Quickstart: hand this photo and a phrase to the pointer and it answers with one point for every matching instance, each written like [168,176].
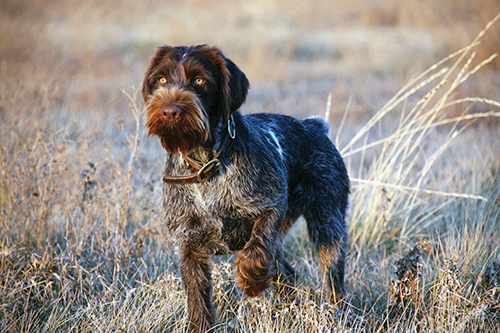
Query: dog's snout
[171,113]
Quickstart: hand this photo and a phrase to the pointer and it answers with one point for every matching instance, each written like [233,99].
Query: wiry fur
[194,126]
[276,169]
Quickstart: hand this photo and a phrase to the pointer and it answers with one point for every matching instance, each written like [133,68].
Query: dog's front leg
[196,277]
[254,263]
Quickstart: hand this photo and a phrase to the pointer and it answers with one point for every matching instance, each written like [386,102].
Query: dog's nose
[171,113]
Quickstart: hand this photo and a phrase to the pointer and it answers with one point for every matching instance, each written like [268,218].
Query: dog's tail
[317,123]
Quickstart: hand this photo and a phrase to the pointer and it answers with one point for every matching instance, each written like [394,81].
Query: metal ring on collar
[202,176]
[231,128]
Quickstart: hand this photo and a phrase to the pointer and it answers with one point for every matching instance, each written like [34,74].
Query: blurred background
[81,54]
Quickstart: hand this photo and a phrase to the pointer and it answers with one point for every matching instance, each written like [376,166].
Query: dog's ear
[234,83]
[161,53]
[238,87]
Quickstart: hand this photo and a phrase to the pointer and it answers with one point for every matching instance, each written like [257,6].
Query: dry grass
[82,247]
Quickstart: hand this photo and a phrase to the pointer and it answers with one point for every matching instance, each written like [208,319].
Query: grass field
[412,93]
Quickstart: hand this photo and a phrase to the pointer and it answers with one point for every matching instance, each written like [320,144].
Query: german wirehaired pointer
[237,183]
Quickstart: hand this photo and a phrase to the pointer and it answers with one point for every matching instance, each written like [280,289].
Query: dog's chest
[226,205]
[231,195]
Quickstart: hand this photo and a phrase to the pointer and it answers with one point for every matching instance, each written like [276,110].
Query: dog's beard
[183,135]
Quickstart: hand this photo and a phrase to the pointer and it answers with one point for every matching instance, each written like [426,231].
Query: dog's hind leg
[328,232]
[324,196]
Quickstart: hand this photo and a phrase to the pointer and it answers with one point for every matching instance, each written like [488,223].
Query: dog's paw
[253,269]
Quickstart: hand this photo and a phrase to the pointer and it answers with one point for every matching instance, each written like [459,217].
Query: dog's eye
[199,81]
[162,80]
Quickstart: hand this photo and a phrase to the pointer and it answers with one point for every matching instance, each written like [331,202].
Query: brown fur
[327,257]
[193,129]
[253,262]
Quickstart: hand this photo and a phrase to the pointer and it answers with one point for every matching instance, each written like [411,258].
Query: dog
[236,183]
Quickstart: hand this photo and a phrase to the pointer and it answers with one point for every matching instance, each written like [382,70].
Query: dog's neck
[220,139]
[207,153]
[201,154]
[204,162]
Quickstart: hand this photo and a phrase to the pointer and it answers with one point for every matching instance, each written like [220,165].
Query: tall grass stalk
[391,193]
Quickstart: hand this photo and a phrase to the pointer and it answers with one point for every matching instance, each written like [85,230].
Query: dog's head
[188,90]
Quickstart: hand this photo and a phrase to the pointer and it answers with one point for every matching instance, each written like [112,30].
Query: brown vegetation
[82,247]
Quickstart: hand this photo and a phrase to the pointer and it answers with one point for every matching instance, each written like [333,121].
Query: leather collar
[204,172]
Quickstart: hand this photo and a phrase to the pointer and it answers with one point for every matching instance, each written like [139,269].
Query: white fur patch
[280,150]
